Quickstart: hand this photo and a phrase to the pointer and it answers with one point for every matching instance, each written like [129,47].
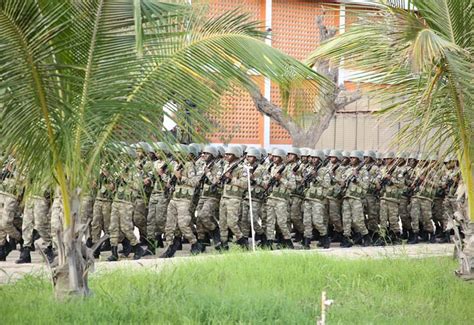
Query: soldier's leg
[373,207]
[404,214]
[97,223]
[296,213]
[171,222]
[10,206]
[393,219]
[28,223]
[234,208]
[244,222]
[139,217]
[256,212]
[151,224]
[126,221]
[161,214]
[271,219]
[358,220]
[426,216]
[56,220]
[282,218]
[114,227]
[346,217]
[335,215]
[318,211]
[42,220]
[223,220]
[307,219]
[208,212]
[383,217]
[415,211]
[184,220]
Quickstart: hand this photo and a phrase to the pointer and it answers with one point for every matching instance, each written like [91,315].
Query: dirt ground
[9,271]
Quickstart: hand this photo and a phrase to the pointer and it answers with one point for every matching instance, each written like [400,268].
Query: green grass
[263,288]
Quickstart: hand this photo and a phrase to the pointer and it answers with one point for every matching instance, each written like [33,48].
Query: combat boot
[196,248]
[203,246]
[425,236]
[366,240]
[298,237]
[49,254]
[222,246]
[432,238]
[25,256]
[105,247]
[216,236]
[346,242]
[114,257]
[357,238]
[413,238]
[446,238]
[2,254]
[159,241]
[89,242]
[269,244]
[405,234]
[138,252]
[126,247]
[171,249]
[326,242]
[307,243]
[263,241]
[179,243]
[395,238]
[287,243]
[150,248]
[243,242]
[96,253]
[380,241]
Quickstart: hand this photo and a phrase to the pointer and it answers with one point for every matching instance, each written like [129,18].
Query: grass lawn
[262,288]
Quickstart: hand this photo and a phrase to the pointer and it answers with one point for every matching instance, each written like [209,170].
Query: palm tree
[420,60]
[77,76]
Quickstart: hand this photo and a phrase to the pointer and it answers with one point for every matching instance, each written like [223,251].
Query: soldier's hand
[228,175]
[161,172]
[277,177]
[147,181]
[178,174]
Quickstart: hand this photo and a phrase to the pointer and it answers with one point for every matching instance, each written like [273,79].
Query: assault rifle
[172,183]
[351,179]
[273,181]
[386,180]
[223,179]
[203,180]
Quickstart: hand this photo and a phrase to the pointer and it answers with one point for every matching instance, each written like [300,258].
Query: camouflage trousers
[277,215]
[421,212]
[451,205]
[229,213]
[121,221]
[296,213]
[179,218]
[335,214]
[57,217]
[87,212]
[315,215]
[8,210]
[36,216]
[438,212]
[207,210]
[389,216]
[101,218]
[245,225]
[156,218]
[140,213]
[372,205]
[353,216]
[404,213]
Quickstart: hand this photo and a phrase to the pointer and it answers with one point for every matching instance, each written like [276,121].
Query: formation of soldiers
[200,195]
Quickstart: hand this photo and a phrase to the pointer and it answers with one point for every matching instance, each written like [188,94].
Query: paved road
[9,271]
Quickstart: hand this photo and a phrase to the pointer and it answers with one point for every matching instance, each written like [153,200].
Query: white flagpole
[247,167]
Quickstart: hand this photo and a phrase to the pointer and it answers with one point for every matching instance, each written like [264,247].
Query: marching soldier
[297,195]
[335,172]
[372,201]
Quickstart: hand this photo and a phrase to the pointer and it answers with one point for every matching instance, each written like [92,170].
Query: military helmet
[279,153]
[402,155]
[160,146]
[357,154]
[433,157]
[326,151]
[211,150]
[335,153]
[389,155]
[346,154]
[318,153]
[146,147]
[378,155]
[195,148]
[422,156]
[221,150]
[305,152]
[294,151]
[234,150]
[263,152]
[244,148]
[413,155]
[369,153]
[254,152]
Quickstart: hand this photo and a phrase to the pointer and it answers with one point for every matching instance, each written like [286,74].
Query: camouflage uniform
[87,211]
[277,203]
[352,208]
[422,200]
[257,200]
[230,206]
[296,199]
[143,170]
[36,216]
[179,208]
[389,201]
[334,191]
[372,202]
[450,179]
[102,208]
[9,192]
[316,203]
[404,199]
[57,215]
[156,219]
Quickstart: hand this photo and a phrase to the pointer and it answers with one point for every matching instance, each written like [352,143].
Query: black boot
[288,244]
[381,240]
[25,256]
[446,238]
[150,248]
[263,241]
[96,253]
[216,236]
[114,257]
[2,254]
[298,237]
[404,235]
[49,254]
[138,252]
[337,237]
[159,241]
[326,242]
[307,243]
[196,248]
[243,242]
[357,238]
[126,247]
[222,246]
[346,242]
[432,238]
[9,246]
[180,243]
[413,238]
[171,250]
[395,238]
[106,246]
[89,242]
[203,246]
[366,240]
[269,244]
[425,236]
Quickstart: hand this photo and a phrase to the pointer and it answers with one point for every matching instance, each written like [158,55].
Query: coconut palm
[420,61]
[79,76]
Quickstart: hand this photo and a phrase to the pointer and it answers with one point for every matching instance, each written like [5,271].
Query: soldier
[57,216]
[356,182]
[372,202]
[406,167]
[335,171]
[316,182]
[121,219]
[235,184]
[297,195]
[158,205]
[280,183]
[102,209]
[185,180]
[423,192]
[390,185]
[87,213]
[10,191]
[257,174]
[36,216]
[450,183]
[208,204]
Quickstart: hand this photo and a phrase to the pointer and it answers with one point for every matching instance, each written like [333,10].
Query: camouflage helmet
[279,153]
[413,155]
[369,153]
[422,156]
[244,148]
[433,157]
[160,146]
[318,153]
[254,152]
[378,155]
[346,154]
[211,150]
[335,153]
[357,154]
[402,155]
[263,152]
[221,150]
[295,151]
[389,155]
[305,152]
[234,150]
[195,148]
[326,151]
